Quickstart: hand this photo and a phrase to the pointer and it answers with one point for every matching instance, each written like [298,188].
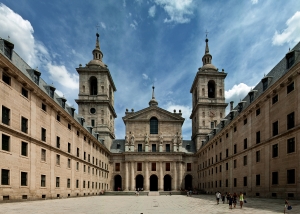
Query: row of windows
[290,179]
[139,166]
[5,180]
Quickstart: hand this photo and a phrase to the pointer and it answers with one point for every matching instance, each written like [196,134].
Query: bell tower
[96,96]
[208,98]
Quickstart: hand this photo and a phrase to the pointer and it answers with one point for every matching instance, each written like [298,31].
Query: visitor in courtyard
[286,205]
[241,199]
[218,196]
[234,199]
[230,200]
[227,197]
[223,197]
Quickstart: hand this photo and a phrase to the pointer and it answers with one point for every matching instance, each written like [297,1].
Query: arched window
[93,86]
[153,125]
[211,89]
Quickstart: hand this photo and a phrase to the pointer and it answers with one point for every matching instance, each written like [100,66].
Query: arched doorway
[139,182]
[188,182]
[118,182]
[211,89]
[153,183]
[167,183]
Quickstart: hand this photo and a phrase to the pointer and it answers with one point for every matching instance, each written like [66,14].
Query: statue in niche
[126,139]
[174,140]
[161,138]
[179,139]
[132,139]
[146,139]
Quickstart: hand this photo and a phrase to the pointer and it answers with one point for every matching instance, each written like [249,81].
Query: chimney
[231,105]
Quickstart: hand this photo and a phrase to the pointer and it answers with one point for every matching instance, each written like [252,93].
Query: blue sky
[146,41]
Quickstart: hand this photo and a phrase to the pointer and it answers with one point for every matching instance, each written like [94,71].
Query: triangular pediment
[153,111]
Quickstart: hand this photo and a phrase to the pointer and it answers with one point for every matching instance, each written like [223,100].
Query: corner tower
[96,96]
[208,97]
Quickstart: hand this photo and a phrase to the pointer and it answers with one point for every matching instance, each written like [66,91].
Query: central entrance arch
[188,182]
[118,182]
[153,183]
[167,183]
[139,182]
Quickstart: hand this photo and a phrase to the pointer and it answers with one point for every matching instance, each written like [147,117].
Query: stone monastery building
[49,151]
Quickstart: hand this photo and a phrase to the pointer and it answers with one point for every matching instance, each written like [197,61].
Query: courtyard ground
[146,205]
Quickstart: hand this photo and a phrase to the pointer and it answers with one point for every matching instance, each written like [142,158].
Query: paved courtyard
[145,204]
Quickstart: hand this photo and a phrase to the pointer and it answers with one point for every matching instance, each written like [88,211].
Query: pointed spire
[97,54]
[97,41]
[153,101]
[206,47]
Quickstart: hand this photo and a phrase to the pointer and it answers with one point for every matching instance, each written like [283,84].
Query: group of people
[231,199]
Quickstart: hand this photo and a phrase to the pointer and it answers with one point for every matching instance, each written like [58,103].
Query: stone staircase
[153,193]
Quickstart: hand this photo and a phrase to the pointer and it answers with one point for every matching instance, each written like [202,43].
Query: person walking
[241,199]
[286,204]
[223,198]
[230,200]
[218,196]
[234,199]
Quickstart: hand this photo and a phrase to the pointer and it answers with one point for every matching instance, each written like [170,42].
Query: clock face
[93,110]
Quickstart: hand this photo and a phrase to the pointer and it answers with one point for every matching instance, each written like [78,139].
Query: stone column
[126,176]
[161,177]
[174,180]
[180,179]
[146,179]
[132,176]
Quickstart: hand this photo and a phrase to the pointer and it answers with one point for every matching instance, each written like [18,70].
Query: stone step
[153,193]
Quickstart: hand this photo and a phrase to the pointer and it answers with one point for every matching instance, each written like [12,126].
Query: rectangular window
[153,166]
[245,181]
[24,148]
[24,92]
[257,156]
[57,159]
[24,124]
[258,137]
[153,147]
[274,178]
[44,107]
[89,158]
[5,142]
[68,183]
[234,149]
[275,128]
[226,166]
[139,167]
[220,168]
[117,167]
[291,120]
[58,117]
[69,126]
[23,178]
[291,176]
[168,148]
[245,143]
[43,180]
[290,87]
[83,184]
[43,155]
[245,121]
[140,147]
[275,150]
[189,167]
[257,111]
[291,145]
[234,182]
[226,182]
[4,177]
[83,168]
[77,166]
[84,155]
[275,99]
[77,183]
[57,181]
[168,166]
[257,180]
[43,134]
[6,79]
[5,115]
[69,163]
[227,153]
[220,156]
[69,147]
[234,163]
[245,160]
[57,142]
[77,152]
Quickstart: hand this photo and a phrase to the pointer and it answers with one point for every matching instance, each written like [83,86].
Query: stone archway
[188,180]
[118,182]
[167,183]
[139,182]
[153,183]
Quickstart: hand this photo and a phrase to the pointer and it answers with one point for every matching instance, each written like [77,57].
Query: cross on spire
[97,26]
[206,32]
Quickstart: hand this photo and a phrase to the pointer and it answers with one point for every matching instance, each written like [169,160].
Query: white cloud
[103,25]
[133,26]
[152,11]
[178,10]
[145,76]
[59,93]
[20,32]
[291,33]
[60,74]
[254,1]
[124,3]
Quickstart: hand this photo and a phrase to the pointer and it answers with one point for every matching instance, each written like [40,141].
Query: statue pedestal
[174,148]
[132,148]
[126,148]
[146,148]
[160,148]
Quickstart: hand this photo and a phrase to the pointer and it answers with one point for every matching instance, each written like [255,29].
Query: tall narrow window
[258,180]
[153,147]
[265,83]
[153,125]
[69,147]
[153,166]
[43,134]
[168,166]
[43,154]
[6,79]
[23,178]
[274,178]
[117,166]
[57,142]
[211,89]
[5,115]
[24,92]
[291,120]
[245,181]
[57,181]
[257,156]
[290,87]
[258,137]
[291,176]
[245,143]
[24,124]
[43,180]
[189,167]
[275,151]
[168,149]
[5,177]
[5,142]
[93,86]
[275,128]
[291,145]
[139,167]
[140,147]
[24,148]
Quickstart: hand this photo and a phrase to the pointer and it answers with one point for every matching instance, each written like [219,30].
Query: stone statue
[174,139]
[146,139]
[180,139]
[161,138]
[126,139]
[132,139]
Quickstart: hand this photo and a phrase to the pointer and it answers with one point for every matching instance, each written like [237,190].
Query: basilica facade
[50,151]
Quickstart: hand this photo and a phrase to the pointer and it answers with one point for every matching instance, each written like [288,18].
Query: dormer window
[63,102]
[251,96]
[8,49]
[240,107]
[51,92]
[290,59]
[265,83]
[36,77]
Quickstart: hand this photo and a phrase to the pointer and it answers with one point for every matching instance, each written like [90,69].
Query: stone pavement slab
[174,204]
